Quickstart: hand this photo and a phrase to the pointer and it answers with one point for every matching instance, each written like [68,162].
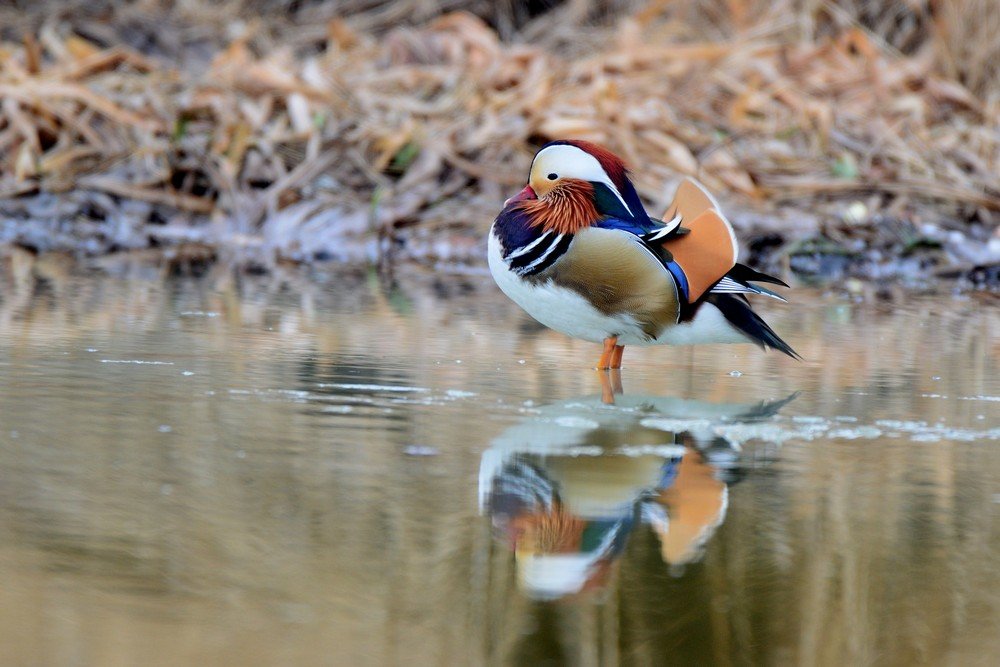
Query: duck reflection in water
[565,487]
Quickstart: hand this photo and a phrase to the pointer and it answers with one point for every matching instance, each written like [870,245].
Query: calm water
[323,469]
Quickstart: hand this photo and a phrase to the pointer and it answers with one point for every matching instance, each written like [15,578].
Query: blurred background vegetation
[844,136]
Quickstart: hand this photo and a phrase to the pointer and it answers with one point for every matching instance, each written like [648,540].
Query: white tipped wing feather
[729,286]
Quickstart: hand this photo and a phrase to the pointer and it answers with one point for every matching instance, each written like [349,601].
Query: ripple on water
[137,362]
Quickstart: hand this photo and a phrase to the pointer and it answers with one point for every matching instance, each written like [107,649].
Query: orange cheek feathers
[566,209]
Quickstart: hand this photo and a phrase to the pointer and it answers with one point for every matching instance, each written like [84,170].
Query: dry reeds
[294,135]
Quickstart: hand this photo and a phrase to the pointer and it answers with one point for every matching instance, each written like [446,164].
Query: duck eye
[553,177]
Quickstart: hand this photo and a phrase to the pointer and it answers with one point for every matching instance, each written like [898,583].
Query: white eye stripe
[572,162]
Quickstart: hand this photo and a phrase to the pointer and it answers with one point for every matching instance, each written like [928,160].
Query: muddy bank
[934,260]
[801,246]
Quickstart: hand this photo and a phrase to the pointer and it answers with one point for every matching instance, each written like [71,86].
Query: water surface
[327,468]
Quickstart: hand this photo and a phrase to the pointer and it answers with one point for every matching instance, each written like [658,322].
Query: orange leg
[611,384]
[616,356]
[616,381]
[607,391]
[609,349]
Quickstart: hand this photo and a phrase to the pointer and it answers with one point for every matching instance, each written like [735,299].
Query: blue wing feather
[682,282]
[630,225]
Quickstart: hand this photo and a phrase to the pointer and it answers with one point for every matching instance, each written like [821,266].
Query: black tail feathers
[736,309]
[745,274]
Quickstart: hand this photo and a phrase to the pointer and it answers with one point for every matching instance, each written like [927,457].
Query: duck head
[573,184]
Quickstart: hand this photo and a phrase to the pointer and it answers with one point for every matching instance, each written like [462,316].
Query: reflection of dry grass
[299,135]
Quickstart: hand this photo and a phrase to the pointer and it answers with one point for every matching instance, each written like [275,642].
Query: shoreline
[890,252]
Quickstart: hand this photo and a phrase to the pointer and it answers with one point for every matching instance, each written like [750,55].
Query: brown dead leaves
[437,124]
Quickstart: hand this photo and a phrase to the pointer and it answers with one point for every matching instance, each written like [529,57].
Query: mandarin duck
[577,251]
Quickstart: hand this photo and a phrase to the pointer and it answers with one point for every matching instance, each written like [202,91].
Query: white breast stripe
[526,249]
[541,260]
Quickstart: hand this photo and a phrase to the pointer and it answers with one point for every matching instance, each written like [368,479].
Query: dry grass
[292,128]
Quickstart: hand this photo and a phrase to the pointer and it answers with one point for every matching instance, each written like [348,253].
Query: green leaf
[845,167]
[404,157]
[179,129]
